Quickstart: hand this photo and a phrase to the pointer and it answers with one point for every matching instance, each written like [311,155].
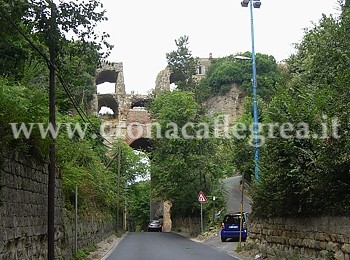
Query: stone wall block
[322,236]
[310,243]
[333,237]
[341,238]
[309,234]
[334,247]
[346,248]
[265,231]
[339,255]
[10,233]
[6,164]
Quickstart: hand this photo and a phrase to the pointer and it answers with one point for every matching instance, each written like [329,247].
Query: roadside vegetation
[307,176]
[86,163]
[299,176]
[310,176]
[182,166]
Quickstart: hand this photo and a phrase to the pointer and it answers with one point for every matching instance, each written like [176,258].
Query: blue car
[230,227]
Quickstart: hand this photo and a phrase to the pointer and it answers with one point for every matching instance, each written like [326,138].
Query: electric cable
[60,78]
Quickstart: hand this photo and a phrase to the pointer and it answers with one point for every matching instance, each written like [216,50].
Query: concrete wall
[309,238]
[23,213]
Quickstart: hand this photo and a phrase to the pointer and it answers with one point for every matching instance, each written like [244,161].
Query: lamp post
[255,4]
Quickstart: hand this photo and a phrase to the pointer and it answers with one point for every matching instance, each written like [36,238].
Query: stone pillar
[119,85]
[167,224]
[163,80]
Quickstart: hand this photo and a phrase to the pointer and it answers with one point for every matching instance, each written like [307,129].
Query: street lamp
[255,4]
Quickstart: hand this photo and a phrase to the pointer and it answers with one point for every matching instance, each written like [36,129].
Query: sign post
[202,199]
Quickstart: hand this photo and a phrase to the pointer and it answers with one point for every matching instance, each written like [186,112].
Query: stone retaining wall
[23,213]
[305,238]
[91,230]
[190,226]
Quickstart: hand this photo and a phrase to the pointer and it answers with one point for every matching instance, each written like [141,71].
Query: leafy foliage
[78,72]
[128,167]
[24,93]
[310,175]
[182,64]
[76,59]
[139,200]
[242,143]
[19,105]
[183,165]
[81,166]
[225,71]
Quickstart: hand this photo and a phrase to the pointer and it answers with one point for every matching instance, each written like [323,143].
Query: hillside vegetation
[303,123]
[83,161]
[303,115]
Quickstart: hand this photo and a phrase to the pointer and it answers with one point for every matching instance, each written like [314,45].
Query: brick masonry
[23,213]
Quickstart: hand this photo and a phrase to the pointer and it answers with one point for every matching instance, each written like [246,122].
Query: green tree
[29,34]
[128,167]
[138,202]
[76,58]
[226,71]
[310,173]
[185,159]
[183,65]
[19,105]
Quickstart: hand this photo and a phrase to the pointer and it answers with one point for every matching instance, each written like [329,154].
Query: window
[200,70]
[233,219]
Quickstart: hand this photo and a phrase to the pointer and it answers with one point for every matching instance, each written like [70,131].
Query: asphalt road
[234,195]
[154,245]
[169,246]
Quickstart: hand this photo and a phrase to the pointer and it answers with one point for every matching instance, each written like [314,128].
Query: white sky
[144,31]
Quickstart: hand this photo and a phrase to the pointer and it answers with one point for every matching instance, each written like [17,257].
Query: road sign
[201,197]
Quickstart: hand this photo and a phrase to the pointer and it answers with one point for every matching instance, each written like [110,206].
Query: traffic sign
[201,197]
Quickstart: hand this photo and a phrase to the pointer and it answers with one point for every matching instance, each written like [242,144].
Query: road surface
[160,246]
[154,245]
[234,195]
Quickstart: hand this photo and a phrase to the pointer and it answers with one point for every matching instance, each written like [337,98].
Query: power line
[60,78]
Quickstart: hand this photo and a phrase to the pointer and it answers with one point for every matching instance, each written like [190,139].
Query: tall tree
[182,64]
[186,159]
[308,171]
[51,22]
[77,57]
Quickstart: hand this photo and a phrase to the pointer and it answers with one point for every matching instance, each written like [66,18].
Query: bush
[19,104]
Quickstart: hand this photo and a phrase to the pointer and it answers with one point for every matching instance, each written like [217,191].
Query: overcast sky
[144,31]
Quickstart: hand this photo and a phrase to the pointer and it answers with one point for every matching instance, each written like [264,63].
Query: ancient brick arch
[137,126]
[142,143]
[111,72]
[109,75]
[108,100]
[131,119]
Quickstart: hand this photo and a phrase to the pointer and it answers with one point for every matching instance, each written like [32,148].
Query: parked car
[230,226]
[155,225]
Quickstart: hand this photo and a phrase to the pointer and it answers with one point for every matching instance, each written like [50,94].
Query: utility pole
[125,210]
[118,186]
[52,148]
[76,221]
[241,211]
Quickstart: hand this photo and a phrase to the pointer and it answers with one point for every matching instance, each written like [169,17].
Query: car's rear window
[232,219]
